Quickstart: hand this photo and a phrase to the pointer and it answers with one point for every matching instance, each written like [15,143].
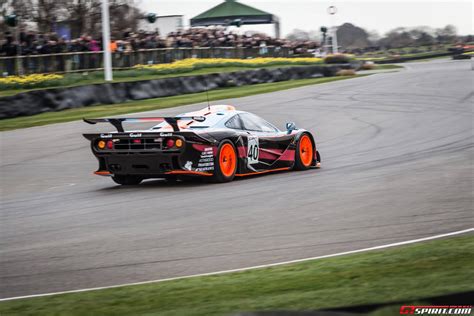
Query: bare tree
[4,5]
[302,35]
[446,34]
[43,12]
[83,16]
[422,35]
[373,36]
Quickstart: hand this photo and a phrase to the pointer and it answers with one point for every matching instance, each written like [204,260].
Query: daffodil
[198,63]
[28,80]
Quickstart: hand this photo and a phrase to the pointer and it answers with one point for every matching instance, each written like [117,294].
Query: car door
[266,145]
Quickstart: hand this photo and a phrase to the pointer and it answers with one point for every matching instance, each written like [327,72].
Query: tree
[397,38]
[4,4]
[301,35]
[422,35]
[424,39]
[83,16]
[350,36]
[374,37]
[446,34]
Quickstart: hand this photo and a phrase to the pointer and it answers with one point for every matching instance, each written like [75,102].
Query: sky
[381,15]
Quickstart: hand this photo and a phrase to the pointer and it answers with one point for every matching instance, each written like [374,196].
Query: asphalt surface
[397,153]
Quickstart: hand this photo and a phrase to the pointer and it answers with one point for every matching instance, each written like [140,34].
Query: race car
[217,142]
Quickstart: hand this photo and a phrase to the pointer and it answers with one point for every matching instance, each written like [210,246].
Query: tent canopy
[231,10]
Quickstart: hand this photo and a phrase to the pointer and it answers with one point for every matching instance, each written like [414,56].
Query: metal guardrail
[88,61]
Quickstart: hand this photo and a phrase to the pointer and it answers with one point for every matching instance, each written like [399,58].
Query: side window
[252,122]
[234,122]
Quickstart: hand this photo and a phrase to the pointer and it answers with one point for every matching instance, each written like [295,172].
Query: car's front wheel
[225,162]
[304,154]
[127,180]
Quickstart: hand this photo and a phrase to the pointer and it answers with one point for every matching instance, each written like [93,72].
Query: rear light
[170,143]
[179,143]
[137,141]
[110,144]
[101,144]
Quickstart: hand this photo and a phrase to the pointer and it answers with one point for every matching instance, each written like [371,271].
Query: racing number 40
[252,151]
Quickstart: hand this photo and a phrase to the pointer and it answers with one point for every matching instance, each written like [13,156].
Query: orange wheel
[226,162]
[304,153]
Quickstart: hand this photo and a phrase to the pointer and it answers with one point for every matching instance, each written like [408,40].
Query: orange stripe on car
[102,173]
[260,172]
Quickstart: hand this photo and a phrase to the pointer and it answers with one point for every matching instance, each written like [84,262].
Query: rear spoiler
[117,122]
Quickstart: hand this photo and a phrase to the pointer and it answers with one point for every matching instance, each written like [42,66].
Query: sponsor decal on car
[188,165]
[106,136]
[436,310]
[166,134]
[206,161]
[135,134]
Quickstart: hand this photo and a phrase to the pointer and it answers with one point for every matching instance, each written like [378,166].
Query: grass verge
[397,274]
[387,66]
[158,103]
[429,59]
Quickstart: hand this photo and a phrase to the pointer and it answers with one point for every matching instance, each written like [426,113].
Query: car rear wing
[172,121]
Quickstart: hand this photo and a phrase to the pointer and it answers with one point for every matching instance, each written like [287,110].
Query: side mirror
[290,126]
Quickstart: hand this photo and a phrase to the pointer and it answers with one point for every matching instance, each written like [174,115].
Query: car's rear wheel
[304,154]
[225,162]
[127,180]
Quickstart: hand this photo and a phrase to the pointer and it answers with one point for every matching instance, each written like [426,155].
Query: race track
[397,153]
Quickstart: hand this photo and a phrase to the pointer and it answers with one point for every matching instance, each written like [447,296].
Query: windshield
[210,121]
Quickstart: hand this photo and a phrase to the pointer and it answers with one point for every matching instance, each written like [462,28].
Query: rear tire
[304,154]
[127,180]
[225,162]
[318,160]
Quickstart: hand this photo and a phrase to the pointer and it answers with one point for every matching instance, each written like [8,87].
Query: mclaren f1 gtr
[217,142]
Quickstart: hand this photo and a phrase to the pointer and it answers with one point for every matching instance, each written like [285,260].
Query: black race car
[217,142]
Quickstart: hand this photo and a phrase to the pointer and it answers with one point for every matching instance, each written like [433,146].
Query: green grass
[383,67]
[424,56]
[153,104]
[96,77]
[387,66]
[407,51]
[428,59]
[407,273]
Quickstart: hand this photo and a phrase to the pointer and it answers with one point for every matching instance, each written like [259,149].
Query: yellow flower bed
[29,80]
[198,63]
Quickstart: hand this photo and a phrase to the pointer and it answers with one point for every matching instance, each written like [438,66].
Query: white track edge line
[401,243]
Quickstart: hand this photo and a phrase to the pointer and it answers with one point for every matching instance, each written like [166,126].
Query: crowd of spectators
[51,48]
[32,43]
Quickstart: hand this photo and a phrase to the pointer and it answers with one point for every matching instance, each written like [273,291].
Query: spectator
[9,48]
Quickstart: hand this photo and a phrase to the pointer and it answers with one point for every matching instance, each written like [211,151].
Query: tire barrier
[57,99]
